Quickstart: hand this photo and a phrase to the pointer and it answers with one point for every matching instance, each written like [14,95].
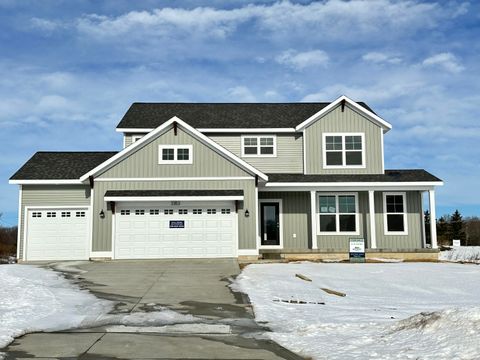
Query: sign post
[357,250]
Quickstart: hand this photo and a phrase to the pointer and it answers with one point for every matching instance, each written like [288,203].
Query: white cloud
[446,60]
[241,94]
[45,25]
[378,58]
[301,60]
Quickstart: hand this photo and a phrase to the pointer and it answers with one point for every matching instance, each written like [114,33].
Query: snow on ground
[35,299]
[391,311]
[468,254]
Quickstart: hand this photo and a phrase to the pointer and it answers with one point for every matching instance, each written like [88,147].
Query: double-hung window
[338,214]
[259,146]
[343,150]
[175,154]
[395,213]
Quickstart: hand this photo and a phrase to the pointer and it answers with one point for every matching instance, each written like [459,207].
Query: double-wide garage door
[175,230]
[57,234]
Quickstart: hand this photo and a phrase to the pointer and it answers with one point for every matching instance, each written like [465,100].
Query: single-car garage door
[174,230]
[57,234]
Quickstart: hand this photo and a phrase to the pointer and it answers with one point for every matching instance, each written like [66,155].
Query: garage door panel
[57,237]
[202,234]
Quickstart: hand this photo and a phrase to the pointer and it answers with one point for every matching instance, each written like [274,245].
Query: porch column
[373,230]
[433,218]
[313,213]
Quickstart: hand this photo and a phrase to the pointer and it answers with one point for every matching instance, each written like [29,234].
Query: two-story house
[198,180]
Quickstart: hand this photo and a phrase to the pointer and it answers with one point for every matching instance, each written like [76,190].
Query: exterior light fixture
[247,213]
[102,214]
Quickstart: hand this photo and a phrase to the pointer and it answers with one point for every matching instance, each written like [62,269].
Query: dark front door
[270,216]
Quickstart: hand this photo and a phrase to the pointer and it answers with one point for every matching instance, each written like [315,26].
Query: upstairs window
[259,146]
[344,150]
[395,214]
[175,154]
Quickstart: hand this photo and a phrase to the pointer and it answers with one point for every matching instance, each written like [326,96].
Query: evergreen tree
[442,230]
[457,227]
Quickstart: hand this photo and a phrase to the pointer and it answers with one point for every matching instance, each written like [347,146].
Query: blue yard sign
[357,250]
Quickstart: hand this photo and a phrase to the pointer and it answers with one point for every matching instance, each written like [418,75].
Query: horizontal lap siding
[289,157]
[295,217]
[347,121]
[414,218]
[51,195]
[144,161]
[341,242]
[102,235]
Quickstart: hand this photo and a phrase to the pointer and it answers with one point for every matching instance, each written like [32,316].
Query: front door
[270,219]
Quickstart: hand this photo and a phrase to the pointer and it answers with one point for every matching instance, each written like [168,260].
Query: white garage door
[163,230]
[57,234]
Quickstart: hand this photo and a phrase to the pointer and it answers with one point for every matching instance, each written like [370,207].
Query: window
[197,211]
[259,146]
[395,214]
[140,212]
[175,154]
[65,213]
[338,214]
[154,212]
[225,211]
[343,150]
[51,214]
[80,214]
[168,212]
[36,214]
[211,211]
[183,211]
[124,212]
[136,138]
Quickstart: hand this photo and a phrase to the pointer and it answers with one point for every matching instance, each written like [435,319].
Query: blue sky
[70,69]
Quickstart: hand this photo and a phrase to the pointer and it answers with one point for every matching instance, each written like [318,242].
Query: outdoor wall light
[102,214]
[247,213]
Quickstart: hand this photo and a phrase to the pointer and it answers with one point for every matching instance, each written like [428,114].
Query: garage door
[163,230]
[57,234]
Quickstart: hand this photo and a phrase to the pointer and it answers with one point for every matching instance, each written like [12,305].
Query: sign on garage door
[185,230]
[57,234]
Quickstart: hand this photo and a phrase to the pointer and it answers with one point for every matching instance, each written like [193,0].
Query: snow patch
[467,254]
[391,311]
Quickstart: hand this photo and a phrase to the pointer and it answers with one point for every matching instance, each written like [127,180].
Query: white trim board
[356,184]
[384,124]
[171,198]
[337,214]
[404,213]
[19,229]
[213,178]
[343,151]
[258,146]
[165,127]
[218,130]
[47,182]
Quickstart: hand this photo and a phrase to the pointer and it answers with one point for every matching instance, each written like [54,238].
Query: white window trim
[274,137]
[175,154]
[135,138]
[344,166]
[337,214]
[405,213]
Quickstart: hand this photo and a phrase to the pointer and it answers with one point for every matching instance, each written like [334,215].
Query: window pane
[328,223]
[327,204]
[333,142]
[266,150]
[250,141]
[395,223]
[266,141]
[250,150]
[347,223]
[167,154]
[183,154]
[346,204]
[394,203]
[353,157]
[353,142]
[334,158]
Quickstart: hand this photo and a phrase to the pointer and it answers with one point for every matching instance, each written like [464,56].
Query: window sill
[396,233]
[259,156]
[326,167]
[338,233]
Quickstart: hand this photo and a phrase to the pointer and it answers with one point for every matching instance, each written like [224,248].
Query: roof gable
[163,129]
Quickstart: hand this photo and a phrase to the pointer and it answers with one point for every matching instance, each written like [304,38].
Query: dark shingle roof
[222,115]
[389,176]
[128,193]
[60,165]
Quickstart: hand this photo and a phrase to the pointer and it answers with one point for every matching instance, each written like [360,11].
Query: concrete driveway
[224,327]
